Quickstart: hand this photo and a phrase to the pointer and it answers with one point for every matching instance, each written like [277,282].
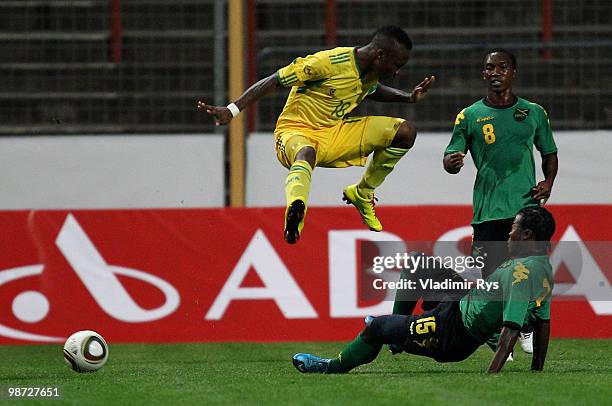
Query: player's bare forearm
[543,189]
[223,115]
[507,339]
[541,336]
[257,91]
[550,166]
[389,95]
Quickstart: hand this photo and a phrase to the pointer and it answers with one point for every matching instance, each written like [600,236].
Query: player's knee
[373,333]
[405,136]
[307,154]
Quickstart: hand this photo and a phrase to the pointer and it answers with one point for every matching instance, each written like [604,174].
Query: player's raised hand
[420,91]
[222,115]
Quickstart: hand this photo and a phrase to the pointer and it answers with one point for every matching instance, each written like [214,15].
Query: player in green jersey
[520,294]
[500,132]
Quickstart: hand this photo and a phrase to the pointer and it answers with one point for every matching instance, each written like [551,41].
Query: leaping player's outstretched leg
[297,189]
[361,195]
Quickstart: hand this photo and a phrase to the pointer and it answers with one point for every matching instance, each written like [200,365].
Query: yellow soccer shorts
[348,143]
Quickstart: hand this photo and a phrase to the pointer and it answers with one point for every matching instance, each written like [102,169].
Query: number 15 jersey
[325,87]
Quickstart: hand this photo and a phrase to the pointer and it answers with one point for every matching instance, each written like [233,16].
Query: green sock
[380,166]
[402,303]
[356,353]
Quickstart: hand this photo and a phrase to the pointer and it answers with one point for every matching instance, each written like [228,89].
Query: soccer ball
[85,351]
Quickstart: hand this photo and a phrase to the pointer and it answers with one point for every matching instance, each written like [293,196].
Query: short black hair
[503,51]
[539,220]
[392,32]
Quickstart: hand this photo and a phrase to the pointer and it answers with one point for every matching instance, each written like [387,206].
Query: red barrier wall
[221,274]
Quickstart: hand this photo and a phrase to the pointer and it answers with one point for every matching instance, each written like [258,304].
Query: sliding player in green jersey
[315,130]
[454,330]
[500,132]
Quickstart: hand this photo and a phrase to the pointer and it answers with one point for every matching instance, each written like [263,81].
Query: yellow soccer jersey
[324,88]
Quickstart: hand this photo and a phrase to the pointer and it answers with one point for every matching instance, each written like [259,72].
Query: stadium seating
[59,77]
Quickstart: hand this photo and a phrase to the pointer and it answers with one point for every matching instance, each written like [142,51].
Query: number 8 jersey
[501,142]
[325,87]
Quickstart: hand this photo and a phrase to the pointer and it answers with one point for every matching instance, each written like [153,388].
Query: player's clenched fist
[222,115]
[453,162]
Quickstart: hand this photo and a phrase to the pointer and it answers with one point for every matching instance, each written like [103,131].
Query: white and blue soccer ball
[85,351]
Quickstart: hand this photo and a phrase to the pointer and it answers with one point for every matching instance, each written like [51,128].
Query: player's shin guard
[297,183]
[356,353]
[382,164]
[297,187]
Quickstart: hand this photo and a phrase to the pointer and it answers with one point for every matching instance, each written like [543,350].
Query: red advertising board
[226,274]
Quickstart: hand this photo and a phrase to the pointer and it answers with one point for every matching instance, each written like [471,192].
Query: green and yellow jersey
[501,142]
[325,87]
[523,296]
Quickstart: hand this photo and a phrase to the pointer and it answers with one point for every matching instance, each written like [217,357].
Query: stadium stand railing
[59,77]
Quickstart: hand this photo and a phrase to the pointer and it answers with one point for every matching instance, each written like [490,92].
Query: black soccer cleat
[293,217]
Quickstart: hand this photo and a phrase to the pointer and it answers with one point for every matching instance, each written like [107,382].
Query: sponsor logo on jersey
[480,120]
[521,273]
[521,114]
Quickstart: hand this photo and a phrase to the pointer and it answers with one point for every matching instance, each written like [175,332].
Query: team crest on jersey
[521,114]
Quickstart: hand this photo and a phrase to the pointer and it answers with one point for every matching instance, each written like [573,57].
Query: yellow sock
[297,184]
[382,164]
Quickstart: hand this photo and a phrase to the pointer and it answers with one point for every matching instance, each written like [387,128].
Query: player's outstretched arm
[507,339]
[541,335]
[389,94]
[223,115]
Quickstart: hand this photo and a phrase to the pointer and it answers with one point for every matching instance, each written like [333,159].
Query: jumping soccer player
[454,330]
[500,131]
[314,128]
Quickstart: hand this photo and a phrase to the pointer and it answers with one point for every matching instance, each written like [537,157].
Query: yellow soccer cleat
[365,206]
[294,221]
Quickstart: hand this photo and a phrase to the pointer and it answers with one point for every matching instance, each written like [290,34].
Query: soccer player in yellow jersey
[314,128]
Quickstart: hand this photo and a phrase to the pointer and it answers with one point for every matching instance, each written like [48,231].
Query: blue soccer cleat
[308,363]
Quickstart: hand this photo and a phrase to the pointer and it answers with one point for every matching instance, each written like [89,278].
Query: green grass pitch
[577,372]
